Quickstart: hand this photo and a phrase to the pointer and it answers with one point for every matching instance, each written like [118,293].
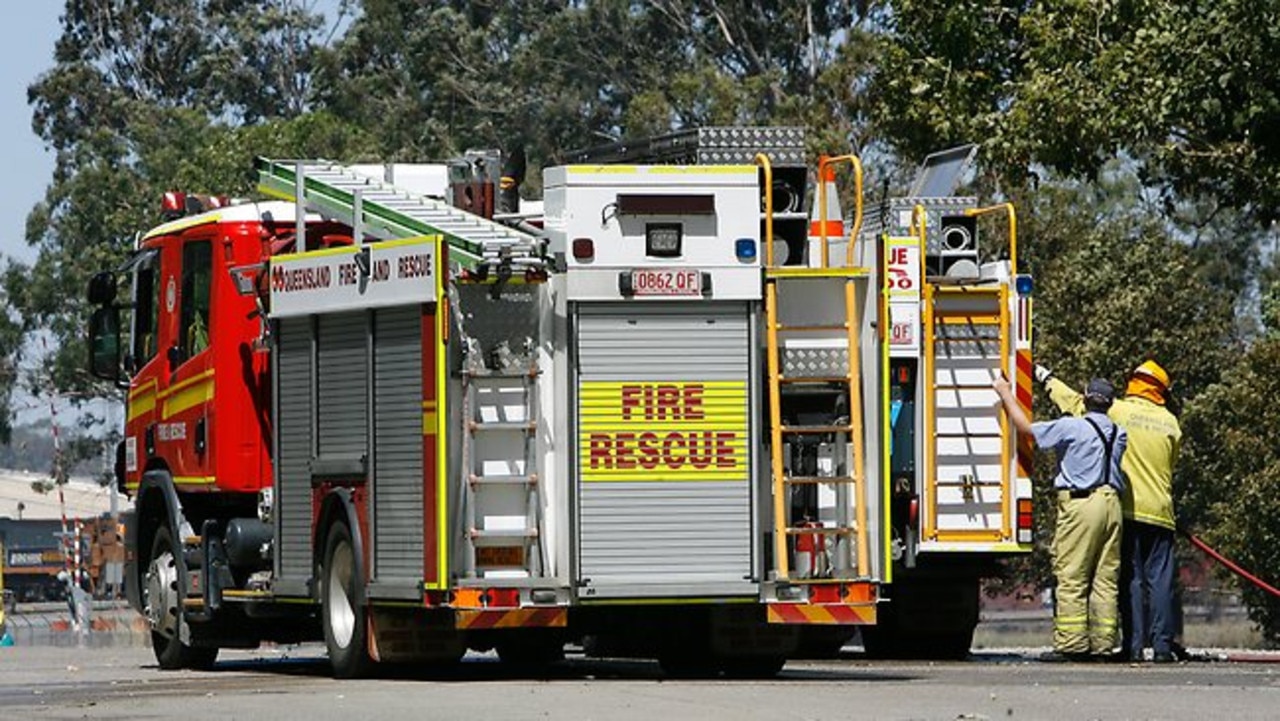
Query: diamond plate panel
[810,362]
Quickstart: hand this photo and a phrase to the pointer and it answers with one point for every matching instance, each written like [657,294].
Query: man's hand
[1001,384]
[1042,374]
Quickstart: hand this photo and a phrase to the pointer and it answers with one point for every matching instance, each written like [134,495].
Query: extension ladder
[386,211]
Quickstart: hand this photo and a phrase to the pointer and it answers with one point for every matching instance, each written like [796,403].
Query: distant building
[84,498]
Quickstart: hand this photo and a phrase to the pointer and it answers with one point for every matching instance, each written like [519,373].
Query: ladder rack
[387,211]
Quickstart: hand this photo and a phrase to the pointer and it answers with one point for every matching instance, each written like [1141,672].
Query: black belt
[1081,492]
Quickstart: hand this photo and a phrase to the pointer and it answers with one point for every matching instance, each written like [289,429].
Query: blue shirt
[1080,451]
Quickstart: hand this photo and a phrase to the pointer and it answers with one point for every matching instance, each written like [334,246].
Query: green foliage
[147,97]
[1230,474]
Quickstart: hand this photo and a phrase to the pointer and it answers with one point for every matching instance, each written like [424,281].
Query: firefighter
[1086,542]
[1148,610]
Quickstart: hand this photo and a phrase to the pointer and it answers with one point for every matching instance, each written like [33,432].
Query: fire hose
[1231,565]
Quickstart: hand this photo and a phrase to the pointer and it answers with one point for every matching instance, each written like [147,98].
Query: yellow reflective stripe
[142,403]
[142,399]
[428,418]
[188,394]
[195,480]
[659,169]
[183,224]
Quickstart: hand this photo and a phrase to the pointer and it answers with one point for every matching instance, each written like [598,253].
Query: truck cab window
[193,334]
[146,314]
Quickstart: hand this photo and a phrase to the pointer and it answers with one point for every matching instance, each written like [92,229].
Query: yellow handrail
[823,163]
[1013,229]
[854,346]
[763,161]
[780,558]
[919,220]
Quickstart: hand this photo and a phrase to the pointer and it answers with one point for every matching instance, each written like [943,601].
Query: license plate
[666,281]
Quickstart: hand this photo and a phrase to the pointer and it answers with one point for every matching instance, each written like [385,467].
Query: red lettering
[724,451]
[668,455]
[700,458]
[693,403]
[648,450]
[623,450]
[629,400]
[897,256]
[599,453]
[668,406]
[648,402]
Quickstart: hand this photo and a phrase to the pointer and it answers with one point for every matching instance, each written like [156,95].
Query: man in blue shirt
[1086,542]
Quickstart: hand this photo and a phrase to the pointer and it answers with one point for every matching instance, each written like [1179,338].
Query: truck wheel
[346,629]
[162,602]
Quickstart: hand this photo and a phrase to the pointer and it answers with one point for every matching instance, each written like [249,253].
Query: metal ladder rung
[504,480]
[529,426]
[814,379]
[530,374]
[821,531]
[974,484]
[515,534]
[810,328]
[804,480]
[817,429]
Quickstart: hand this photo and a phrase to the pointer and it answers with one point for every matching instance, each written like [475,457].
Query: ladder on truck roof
[387,211]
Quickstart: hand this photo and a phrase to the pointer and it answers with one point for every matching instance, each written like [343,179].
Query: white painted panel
[975,398]
[969,423]
[982,473]
[987,446]
[961,376]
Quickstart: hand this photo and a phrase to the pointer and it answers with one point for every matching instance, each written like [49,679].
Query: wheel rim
[341,611]
[161,603]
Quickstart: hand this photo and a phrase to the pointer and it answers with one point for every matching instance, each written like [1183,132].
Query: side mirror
[102,288]
[104,344]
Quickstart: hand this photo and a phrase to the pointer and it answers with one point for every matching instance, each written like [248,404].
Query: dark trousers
[1147,614]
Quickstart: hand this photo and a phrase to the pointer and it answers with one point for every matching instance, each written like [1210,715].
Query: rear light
[745,249]
[1024,520]
[584,249]
[502,597]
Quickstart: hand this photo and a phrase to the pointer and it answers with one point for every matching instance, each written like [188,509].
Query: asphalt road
[123,683]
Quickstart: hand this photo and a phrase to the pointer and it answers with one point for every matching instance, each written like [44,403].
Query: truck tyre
[162,604]
[346,628]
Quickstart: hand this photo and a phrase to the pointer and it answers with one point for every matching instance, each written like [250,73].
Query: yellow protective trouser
[1086,562]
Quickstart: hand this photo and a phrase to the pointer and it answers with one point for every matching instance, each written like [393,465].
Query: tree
[435,78]
[147,97]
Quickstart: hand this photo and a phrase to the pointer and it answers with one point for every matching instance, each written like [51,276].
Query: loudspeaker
[955,254]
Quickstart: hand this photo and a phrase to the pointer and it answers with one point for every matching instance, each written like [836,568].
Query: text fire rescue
[662,405]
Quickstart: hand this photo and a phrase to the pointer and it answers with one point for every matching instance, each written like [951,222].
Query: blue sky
[29,32]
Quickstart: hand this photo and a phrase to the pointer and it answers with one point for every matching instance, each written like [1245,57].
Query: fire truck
[368,413]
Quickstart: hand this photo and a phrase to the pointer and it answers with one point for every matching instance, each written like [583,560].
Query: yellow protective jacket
[1154,439]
